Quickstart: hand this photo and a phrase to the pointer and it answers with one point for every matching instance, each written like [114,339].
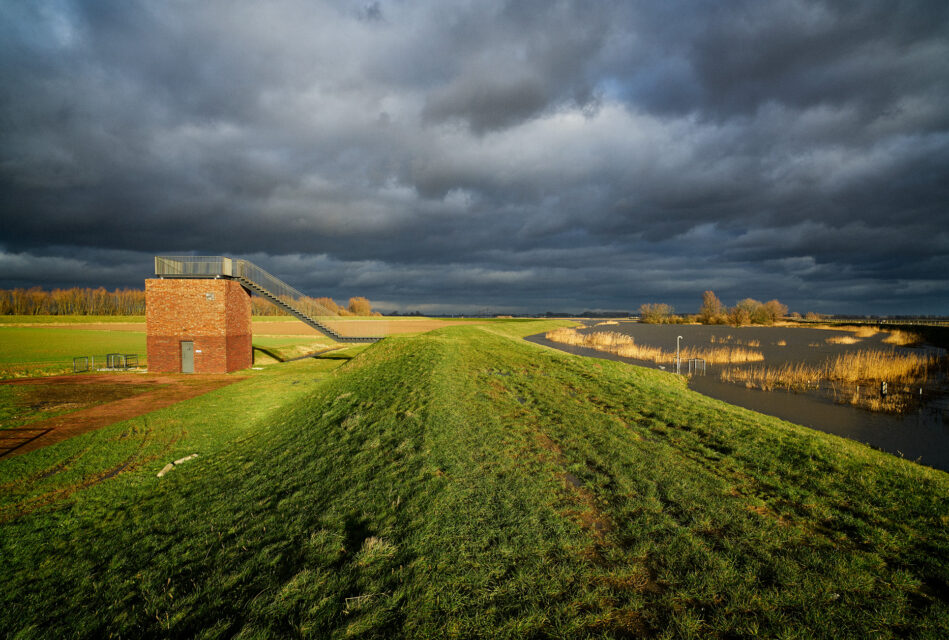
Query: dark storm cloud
[511,155]
[518,60]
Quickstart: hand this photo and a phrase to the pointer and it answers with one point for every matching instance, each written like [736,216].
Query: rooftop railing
[219,266]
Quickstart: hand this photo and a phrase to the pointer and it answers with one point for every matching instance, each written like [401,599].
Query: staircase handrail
[279,289]
[208,266]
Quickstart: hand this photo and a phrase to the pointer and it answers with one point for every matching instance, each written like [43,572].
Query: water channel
[921,435]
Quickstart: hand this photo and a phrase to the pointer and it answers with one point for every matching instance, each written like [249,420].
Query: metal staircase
[258,281]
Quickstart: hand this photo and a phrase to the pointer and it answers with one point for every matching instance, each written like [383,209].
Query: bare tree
[712,309]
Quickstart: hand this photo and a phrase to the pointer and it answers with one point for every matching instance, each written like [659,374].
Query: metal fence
[121,360]
[696,366]
[192,266]
[107,362]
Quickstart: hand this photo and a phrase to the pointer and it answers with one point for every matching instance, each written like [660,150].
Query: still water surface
[922,435]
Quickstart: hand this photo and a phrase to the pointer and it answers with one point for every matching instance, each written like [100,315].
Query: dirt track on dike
[168,389]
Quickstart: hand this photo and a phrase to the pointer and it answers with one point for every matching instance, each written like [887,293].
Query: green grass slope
[464,483]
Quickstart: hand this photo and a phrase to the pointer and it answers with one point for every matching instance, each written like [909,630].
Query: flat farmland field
[46,320]
[90,326]
[26,351]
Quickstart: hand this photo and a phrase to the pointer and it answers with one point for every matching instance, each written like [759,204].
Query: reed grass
[625,346]
[896,337]
[568,335]
[864,366]
[876,365]
[722,355]
[852,377]
[902,338]
[790,376]
[781,343]
[731,340]
[842,340]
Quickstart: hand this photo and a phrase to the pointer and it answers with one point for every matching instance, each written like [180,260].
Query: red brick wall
[240,352]
[214,314]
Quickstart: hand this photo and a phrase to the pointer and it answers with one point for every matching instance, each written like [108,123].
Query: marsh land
[831,377]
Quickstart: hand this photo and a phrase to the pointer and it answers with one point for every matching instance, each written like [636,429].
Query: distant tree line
[657,313]
[747,311]
[131,302]
[72,302]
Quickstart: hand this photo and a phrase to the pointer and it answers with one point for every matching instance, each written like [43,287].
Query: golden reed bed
[864,366]
[625,346]
[853,378]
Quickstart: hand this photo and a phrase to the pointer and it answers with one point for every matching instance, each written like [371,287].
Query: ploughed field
[465,483]
[871,385]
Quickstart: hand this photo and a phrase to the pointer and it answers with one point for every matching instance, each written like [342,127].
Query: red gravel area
[166,390]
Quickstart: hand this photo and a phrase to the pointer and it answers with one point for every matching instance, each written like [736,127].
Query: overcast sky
[467,155]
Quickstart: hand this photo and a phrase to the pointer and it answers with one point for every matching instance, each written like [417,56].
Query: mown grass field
[464,483]
[31,351]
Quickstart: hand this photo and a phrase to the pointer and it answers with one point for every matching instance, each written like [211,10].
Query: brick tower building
[197,325]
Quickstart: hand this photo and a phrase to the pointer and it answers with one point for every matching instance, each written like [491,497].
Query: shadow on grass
[326,354]
[269,353]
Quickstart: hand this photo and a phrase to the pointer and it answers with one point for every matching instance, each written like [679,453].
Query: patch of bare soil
[584,510]
[66,396]
[152,392]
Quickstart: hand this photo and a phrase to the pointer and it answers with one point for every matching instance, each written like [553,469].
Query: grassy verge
[464,484]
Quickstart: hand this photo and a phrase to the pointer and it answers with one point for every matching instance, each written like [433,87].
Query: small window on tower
[209,296]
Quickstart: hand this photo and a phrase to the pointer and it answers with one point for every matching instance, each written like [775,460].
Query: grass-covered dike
[464,483]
